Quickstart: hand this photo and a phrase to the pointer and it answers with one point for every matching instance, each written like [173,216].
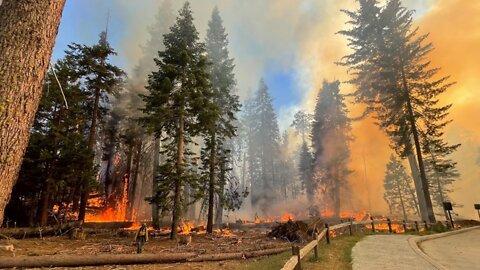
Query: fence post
[389,222]
[404,226]
[350,227]
[416,226]
[426,225]
[373,224]
[296,252]
[328,233]
[315,250]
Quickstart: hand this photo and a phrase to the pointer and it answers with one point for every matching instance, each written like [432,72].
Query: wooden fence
[295,262]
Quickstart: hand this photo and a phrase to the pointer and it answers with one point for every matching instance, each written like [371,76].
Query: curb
[415,242]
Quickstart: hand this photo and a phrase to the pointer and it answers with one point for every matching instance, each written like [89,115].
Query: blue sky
[82,24]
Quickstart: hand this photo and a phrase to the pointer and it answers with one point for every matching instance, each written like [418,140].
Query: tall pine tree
[219,117]
[394,79]
[100,78]
[178,93]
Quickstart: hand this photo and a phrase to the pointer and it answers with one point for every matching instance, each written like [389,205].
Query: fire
[186,227]
[287,217]
[355,216]
[327,213]
[257,220]
[109,214]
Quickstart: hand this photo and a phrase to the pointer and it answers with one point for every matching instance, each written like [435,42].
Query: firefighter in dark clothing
[141,237]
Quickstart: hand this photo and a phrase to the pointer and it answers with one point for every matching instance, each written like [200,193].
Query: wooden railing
[295,262]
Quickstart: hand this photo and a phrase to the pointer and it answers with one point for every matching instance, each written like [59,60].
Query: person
[141,237]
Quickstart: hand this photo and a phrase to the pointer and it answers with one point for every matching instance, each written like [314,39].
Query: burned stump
[293,231]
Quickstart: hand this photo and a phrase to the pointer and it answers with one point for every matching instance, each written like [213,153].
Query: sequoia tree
[28,30]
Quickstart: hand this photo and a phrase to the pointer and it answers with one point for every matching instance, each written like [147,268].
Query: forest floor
[112,243]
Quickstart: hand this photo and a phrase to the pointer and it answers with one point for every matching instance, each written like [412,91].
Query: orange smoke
[455,33]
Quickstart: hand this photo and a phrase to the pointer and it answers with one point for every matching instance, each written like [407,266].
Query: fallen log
[91,260]
[125,259]
[238,255]
[38,231]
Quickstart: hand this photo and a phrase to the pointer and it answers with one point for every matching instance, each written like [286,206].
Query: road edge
[415,242]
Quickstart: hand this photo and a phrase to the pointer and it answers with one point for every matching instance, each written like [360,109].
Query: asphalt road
[459,251]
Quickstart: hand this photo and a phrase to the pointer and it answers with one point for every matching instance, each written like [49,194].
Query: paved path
[459,251]
[387,252]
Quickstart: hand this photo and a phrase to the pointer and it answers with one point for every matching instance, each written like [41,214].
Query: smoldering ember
[223,134]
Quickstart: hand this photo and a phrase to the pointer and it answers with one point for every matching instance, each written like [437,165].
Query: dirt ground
[114,242]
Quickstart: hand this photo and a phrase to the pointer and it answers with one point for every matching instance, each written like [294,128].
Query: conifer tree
[394,79]
[398,190]
[263,148]
[56,151]
[178,92]
[330,140]
[219,117]
[302,123]
[305,171]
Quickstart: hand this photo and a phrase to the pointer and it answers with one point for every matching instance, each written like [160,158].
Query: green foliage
[178,102]
[57,148]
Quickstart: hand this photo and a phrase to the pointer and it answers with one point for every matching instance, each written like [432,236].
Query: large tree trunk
[211,185]
[429,215]
[177,202]
[91,146]
[134,181]
[402,204]
[220,206]
[412,161]
[28,29]
[156,159]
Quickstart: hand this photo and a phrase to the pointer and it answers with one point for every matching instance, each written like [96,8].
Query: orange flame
[110,214]
[186,227]
[286,217]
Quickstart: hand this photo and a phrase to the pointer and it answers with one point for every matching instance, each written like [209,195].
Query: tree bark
[28,29]
[220,206]
[211,184]
[134,181]
[156,159]
[430,215]
[91,145]
[401,199]
[422,209]
[177,202]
